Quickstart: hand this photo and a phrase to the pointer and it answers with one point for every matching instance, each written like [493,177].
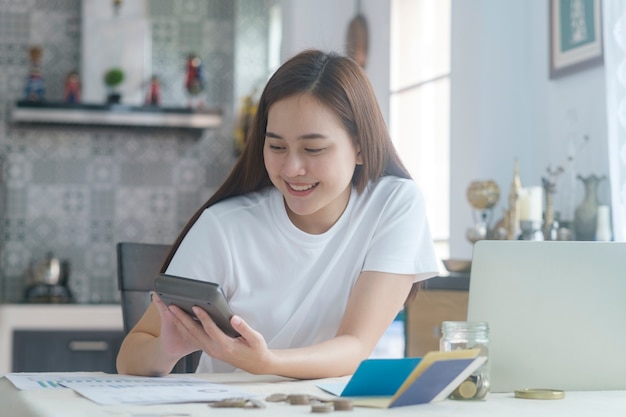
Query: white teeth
[301,187]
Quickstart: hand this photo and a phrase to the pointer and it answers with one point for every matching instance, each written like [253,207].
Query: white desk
[65,403]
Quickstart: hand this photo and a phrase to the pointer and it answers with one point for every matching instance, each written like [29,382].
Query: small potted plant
[113,78]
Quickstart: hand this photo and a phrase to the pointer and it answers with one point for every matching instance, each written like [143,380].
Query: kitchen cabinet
[72,331]
[65,350]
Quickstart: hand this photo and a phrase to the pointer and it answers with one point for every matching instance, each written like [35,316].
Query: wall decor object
[357,40]
[575,35]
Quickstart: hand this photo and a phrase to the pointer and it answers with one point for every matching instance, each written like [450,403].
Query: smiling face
[310,158]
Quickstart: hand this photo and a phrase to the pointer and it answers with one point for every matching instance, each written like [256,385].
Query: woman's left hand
[247,352]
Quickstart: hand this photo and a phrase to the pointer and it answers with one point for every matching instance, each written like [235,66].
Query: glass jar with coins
[468,335]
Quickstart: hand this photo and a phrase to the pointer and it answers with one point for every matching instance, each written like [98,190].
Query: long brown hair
[340,84]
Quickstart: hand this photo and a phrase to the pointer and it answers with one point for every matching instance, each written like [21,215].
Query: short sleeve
[204,252]
[402,242]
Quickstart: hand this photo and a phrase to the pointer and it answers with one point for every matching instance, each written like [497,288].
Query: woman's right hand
[174,343]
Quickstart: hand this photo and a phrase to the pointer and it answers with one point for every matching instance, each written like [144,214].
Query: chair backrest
[137,266]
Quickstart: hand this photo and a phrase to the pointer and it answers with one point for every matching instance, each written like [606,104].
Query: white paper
[108,389]
[335,388]
[46,380]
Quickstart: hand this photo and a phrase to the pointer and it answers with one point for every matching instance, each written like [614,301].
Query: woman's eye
[276,147]
[314,150]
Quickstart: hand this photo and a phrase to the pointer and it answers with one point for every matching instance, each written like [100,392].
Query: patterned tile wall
[77,191]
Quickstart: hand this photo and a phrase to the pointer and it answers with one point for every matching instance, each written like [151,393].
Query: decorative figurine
[72,88]
[153,97]
[194,82]
[482,196]
[357,40]
[512,225]
[586,214]
[34,90]
[113,77]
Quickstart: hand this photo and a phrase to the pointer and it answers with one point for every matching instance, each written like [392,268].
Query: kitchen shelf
[26,112]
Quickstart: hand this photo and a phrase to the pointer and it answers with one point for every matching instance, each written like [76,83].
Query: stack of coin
[342,405]
[298,399]
[321,408]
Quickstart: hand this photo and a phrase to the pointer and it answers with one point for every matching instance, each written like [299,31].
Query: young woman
[317,237]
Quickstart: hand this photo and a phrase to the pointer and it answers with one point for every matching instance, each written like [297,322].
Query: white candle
[603,226]
[531,204]
[536,203]
[523,204]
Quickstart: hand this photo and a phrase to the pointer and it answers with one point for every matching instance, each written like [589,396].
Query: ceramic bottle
[586,214]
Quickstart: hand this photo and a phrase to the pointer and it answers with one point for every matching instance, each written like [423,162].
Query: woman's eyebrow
[272,135]
[313,136]
[305,136]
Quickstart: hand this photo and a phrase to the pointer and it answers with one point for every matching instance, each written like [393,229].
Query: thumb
[241,326]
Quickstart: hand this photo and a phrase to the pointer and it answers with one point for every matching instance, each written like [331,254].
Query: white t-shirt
[292,286]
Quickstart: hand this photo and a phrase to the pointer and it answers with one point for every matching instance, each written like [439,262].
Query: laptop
[556,313]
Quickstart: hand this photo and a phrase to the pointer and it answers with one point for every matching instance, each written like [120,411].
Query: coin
[540,394]
[298,399]
[321,408]
[230,403]
[467,389]
[276,398]
[342,405]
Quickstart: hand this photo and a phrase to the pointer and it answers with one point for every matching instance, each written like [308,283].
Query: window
[420,103]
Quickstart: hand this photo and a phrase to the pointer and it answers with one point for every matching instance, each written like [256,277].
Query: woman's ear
[359,158]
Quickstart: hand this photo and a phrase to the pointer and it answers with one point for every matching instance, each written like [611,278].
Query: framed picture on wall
[575,35]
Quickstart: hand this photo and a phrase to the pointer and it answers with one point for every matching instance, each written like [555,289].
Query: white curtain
[614,32]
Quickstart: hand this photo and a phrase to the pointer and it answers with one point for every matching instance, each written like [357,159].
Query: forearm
[141,354]
[365,320]
[336,357]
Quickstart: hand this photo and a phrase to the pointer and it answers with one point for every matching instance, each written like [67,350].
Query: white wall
[323,24]
[504,106]
[115,40]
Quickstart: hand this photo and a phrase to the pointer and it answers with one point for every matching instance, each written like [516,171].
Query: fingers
[213,330]
[248,351]
[171,313]
[242,327]
[207,322]
[160,305]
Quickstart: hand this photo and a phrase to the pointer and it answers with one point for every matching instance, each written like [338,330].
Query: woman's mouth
[301,188]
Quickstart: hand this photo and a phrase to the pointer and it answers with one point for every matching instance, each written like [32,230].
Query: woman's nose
[293,165]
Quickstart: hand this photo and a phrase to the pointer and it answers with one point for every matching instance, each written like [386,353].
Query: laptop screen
[556,313]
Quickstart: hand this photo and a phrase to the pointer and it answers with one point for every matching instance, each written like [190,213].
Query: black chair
[137,266]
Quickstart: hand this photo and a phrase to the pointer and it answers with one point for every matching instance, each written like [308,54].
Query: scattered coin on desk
[298,399]
[238,403]
[321,408]
[318,405]
[343,405]
[540,394]
[276,398]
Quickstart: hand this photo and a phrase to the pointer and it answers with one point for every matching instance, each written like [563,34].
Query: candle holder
[531,230]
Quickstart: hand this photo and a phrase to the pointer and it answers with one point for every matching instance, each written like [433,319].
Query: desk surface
[66,403]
